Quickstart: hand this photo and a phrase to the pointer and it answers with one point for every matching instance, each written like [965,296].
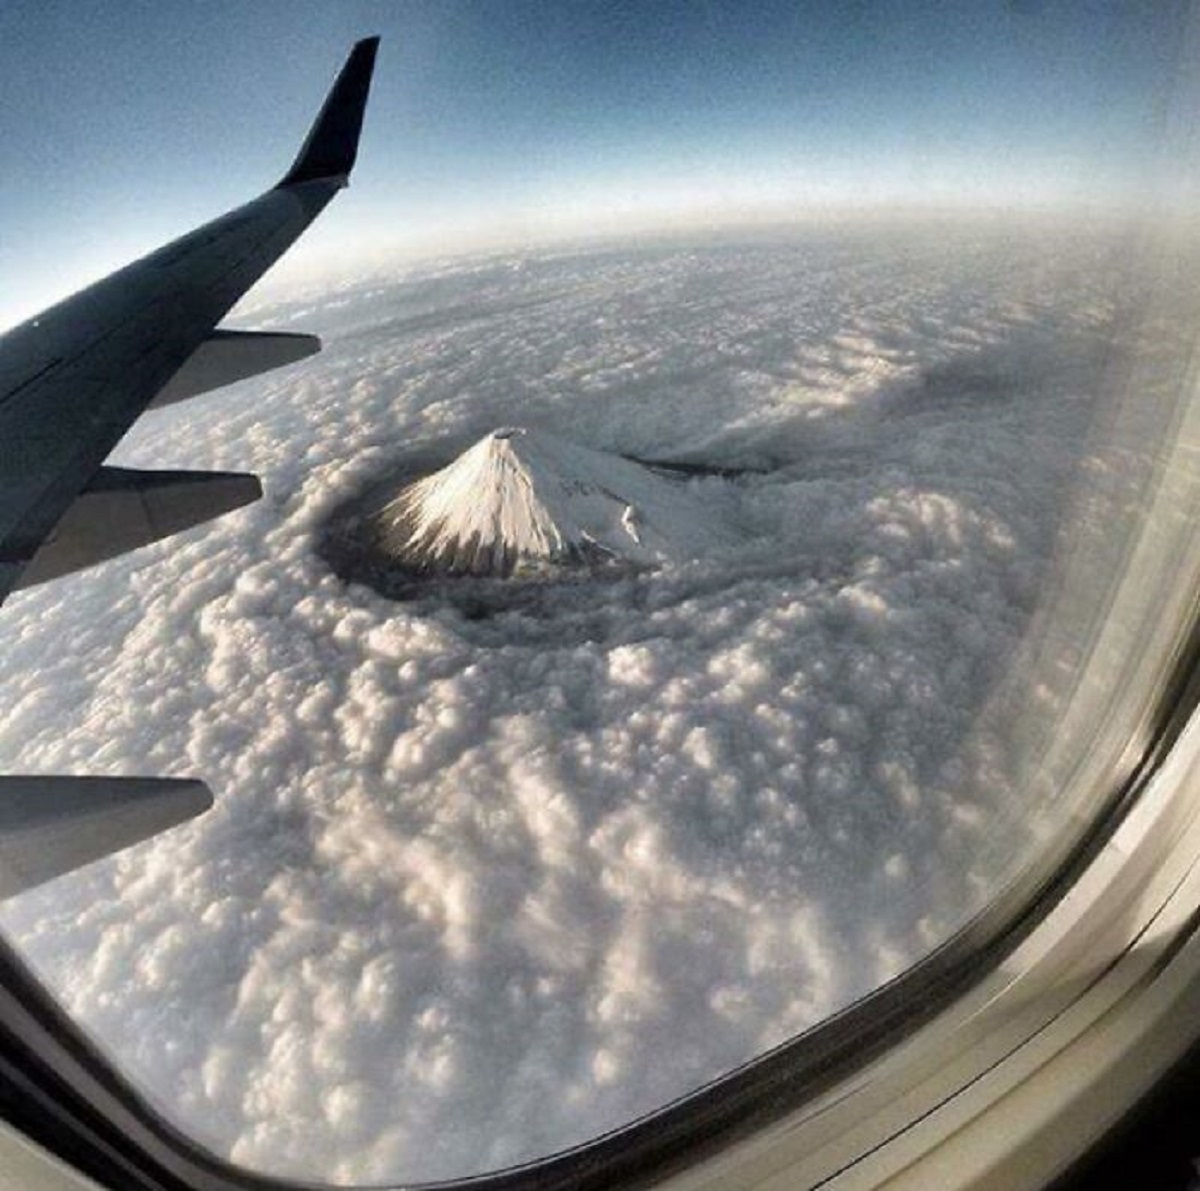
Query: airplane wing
[76,377]
[72,382]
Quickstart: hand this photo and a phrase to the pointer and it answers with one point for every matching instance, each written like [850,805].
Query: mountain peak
[522,501]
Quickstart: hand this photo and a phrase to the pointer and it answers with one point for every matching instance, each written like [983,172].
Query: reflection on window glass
[563,769]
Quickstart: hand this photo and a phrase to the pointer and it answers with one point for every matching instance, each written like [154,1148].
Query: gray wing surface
[51,825]
[75,378]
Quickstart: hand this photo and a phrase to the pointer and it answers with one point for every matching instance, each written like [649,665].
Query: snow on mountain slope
[521,500]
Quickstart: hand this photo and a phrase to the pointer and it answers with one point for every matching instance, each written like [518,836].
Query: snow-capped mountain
[523,501]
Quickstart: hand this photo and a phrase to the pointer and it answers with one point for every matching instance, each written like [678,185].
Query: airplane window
[737,534]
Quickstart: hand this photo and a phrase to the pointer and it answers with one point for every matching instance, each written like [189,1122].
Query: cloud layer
[477,889]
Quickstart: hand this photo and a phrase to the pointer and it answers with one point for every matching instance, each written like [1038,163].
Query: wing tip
[331,147]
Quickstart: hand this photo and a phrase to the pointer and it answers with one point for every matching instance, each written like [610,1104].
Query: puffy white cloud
[475,889]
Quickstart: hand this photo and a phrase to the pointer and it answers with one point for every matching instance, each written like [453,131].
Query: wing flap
[229,356]
[52,825]
[122,509]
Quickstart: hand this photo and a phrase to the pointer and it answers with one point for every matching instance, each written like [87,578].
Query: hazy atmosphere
[506,862]
[509,121]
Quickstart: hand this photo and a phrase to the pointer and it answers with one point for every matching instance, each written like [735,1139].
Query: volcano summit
[526,503]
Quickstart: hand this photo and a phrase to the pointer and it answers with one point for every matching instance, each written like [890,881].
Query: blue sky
[122,124]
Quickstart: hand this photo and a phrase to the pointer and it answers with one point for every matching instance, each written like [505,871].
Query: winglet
[331,146]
